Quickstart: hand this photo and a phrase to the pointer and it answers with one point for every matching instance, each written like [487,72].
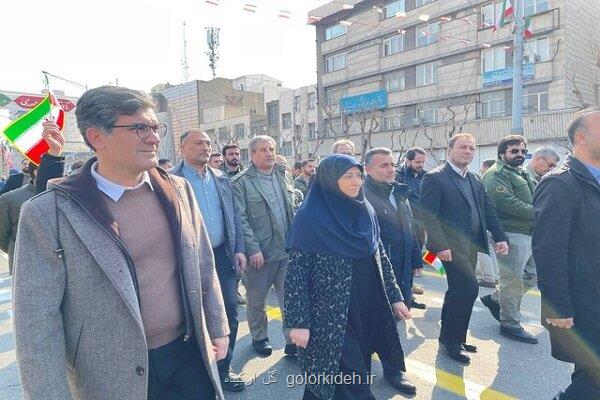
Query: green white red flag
[506,11]
[25,133]
[433,260]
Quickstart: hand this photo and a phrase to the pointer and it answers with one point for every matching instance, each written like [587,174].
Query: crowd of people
[126,273]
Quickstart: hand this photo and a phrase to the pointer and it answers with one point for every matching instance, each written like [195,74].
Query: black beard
[516,162]
[233,163]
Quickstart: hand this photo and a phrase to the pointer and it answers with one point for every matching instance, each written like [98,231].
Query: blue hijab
[329,222]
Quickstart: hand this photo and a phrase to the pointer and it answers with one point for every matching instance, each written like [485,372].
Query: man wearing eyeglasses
[543,160]
[115,291]
[511,190]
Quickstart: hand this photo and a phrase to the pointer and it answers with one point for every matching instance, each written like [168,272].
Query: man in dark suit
[566,248]
[457,213]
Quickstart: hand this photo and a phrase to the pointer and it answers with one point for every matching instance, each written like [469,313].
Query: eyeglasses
[143,130]
[551,165]
[517,151]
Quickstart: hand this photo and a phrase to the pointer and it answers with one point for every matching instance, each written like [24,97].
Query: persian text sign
[503,76]
[365,102]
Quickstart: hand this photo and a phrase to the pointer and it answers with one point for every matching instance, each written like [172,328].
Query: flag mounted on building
[25,133]
[505,12]
[433,260]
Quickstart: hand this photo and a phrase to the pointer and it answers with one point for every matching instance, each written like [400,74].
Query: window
[531,7]
[395,82]
[287,149]
[489,14]
[211,133]
[333,96]
[273,114]
[258,128]
[537,50]
[312,101]
[223,133]
[244,155]
[419,3]
[332,127]
[426,74]
[491,104]
[535,98]
[335,62]
[393,44]
[428,113]
[394,7]
[392,119]
[240,130]
[312,130]
[335,31]
[297,103]
[286,121]
[493,59]
[428,34]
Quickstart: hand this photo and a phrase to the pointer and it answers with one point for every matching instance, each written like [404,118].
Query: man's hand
[401,311]
[300,337]
[501,248]
[240,262]
[220,347]
[257,260]
[564,323]
[445,255]
[54,137]
[418,271]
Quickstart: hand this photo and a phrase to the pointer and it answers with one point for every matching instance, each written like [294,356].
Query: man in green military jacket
[511,190]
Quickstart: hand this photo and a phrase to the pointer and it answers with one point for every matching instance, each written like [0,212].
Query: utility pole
[184,61]
[212,40]
[517,91]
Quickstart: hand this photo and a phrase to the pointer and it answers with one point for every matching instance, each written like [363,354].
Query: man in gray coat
[214,195]
[264,193]
[115,291]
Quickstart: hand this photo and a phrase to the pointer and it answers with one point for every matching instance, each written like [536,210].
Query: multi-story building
[297,122]
[399,73]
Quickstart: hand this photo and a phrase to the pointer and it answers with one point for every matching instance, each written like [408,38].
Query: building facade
[400,73]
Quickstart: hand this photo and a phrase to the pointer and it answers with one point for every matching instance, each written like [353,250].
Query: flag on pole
[506,11]
[432,259]
[25,133]
[527,32]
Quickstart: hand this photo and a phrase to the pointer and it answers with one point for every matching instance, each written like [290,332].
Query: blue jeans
[228,280]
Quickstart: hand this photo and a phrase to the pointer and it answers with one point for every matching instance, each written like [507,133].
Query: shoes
[417,289]
[263,347]
[232,382]
[469,348]
[491,305]
[418,306]
[401,383]
[290,350]
[518,334]
[491,285]
[240,299]
[454,352]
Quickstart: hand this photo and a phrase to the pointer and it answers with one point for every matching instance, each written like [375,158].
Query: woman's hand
[401,311]
[300,337]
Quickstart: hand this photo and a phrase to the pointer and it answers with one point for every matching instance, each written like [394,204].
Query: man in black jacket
[566,248]
[457,213]
[389,199]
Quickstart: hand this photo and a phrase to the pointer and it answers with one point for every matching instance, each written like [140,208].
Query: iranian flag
[527,32]
[432,259]
[25,133]
[505,12]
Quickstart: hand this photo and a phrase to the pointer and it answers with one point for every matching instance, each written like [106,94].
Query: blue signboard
[365,102]
[504,76]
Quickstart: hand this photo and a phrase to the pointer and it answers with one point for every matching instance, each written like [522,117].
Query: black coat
[317,296]
[403,249]
[566,249]
[447,214]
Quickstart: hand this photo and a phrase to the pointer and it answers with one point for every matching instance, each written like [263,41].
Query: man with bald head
[214,195]
[566,248]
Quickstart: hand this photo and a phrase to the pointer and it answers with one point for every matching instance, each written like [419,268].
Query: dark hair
[377,150]
[163,161]
[305,162]
[299,164]
[454,138]
[488,163]
[215,154]
[412,153]
[227,147]
[578,123]
[510,140]
[102,106]
[31,167]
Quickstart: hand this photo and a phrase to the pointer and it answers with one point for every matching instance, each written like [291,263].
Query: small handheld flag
[432,259]
[25,133]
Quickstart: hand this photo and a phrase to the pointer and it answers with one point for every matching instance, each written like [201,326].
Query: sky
[140,42]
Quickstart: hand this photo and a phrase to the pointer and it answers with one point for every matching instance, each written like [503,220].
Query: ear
[582,137]
[96,138]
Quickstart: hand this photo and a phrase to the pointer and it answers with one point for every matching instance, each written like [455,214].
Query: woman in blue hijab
[341,297]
